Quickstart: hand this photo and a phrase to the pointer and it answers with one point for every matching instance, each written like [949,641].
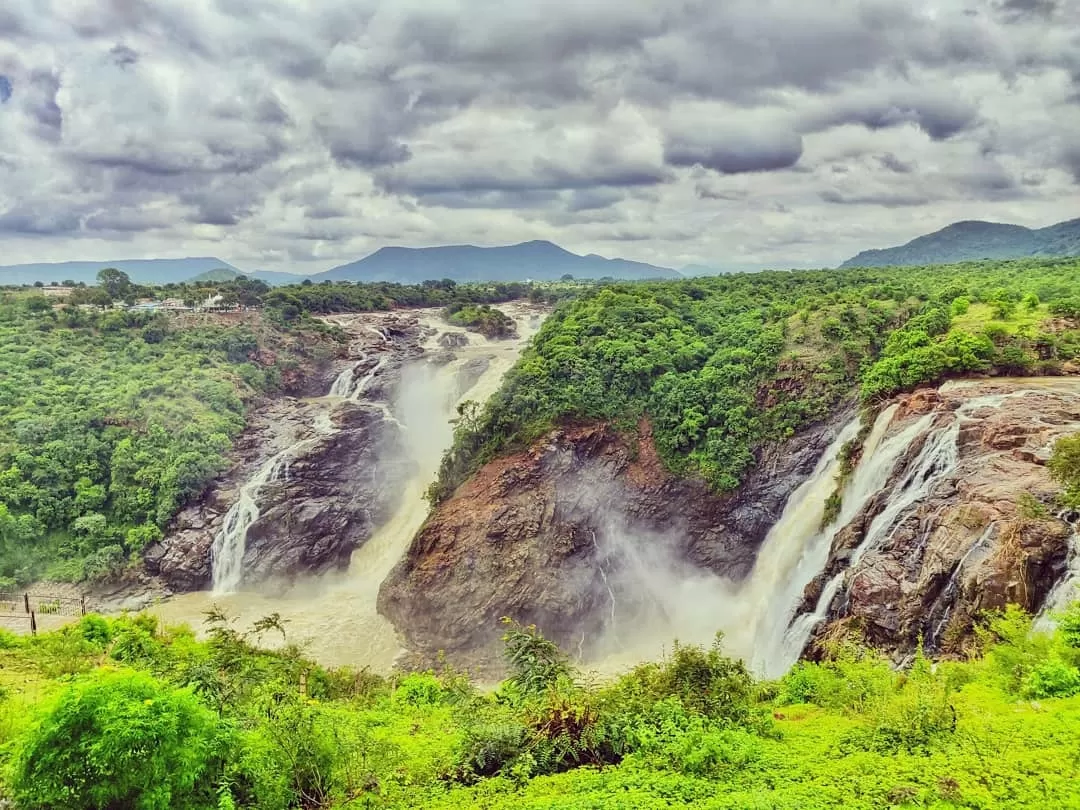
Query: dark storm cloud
[1070,159]
[123,56]
[887,199]
[42,105]
[939,115]
[37,221]
[895,164]
[592,199]
[1043,8]
[736,154]
[5,89]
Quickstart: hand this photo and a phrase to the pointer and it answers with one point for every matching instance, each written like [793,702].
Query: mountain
[538,261]
[276,279]
[221,274]
[972,240]
[141,271]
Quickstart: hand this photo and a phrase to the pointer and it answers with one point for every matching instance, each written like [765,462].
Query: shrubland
[124,713]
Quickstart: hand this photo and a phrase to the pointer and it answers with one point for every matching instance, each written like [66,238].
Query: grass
[980,316]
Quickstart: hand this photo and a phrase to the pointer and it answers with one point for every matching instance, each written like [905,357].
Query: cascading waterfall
[948,593]
[1067,589]
[937,460]
[797,548]
[230,543]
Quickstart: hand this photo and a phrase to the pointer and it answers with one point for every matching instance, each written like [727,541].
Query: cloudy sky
[288,134]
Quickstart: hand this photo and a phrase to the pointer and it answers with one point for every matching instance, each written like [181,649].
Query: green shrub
[120,739]
[1052,678]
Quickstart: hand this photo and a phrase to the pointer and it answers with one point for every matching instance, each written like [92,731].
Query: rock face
[985,534]
[549,536]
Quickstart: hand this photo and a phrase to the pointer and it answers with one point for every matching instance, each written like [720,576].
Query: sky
[293,135]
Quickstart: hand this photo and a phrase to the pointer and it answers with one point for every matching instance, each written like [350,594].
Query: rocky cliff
[340,477]
[967,522]
[569,535]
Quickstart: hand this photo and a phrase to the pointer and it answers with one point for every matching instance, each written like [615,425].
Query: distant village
[214,302]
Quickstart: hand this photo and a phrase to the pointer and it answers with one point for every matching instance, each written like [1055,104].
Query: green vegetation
[722,366]
[1065,467]
[111,421]
[123,713]
[481,318]
[287,304]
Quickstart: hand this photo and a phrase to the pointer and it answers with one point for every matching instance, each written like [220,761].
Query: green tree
[120,740]
[1065,467]
[115,282]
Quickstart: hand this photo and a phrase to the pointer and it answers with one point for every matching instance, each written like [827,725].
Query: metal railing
[28,606]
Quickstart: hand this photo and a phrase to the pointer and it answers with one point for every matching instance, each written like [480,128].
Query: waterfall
[230,543]
[227,553]
[797,548]
[1067,589]
[936,461]
[948,593]
[336,613]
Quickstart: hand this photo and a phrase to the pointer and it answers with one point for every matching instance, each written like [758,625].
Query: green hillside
[221,274]
[724,365]
[972,241]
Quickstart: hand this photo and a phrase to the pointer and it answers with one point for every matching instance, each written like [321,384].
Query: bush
[123,740]
[1052,678]
[1064,466]
[915,717]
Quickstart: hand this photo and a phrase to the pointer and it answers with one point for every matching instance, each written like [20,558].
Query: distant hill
[276,279]
[141,271]
[221,274]
[973,240]
[538,261]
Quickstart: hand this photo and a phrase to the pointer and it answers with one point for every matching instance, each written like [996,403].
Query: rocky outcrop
[549,536]
[987,533]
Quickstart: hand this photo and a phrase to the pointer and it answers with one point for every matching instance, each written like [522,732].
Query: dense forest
[110,421]
[122,713]
[724,365]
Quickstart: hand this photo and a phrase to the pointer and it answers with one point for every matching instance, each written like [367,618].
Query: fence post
[82,604]
[26,601]
[33,623]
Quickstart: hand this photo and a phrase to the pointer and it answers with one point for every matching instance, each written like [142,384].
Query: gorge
[587,535]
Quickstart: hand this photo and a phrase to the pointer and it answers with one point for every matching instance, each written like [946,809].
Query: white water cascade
[785,636]
[797,548]
[1067,589]
[230,543]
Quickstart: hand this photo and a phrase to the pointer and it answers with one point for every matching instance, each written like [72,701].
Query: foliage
[105,434]
[481,318]
[237,726]
[120,739]
[1064,465]
[535,663]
